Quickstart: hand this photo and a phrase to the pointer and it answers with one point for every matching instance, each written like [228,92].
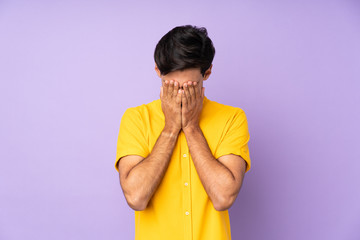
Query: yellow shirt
[180,209]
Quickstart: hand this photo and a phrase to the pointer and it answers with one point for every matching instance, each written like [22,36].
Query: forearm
[144,178]
[217,179]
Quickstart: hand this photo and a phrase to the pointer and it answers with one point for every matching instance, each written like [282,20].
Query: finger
[187,93]
[178,96]
[171,88]
[184,100]
[203,92]
[192,92]
[166,87]
[176,89]
[161,92]
[197,89]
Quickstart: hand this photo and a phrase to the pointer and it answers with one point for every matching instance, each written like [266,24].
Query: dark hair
[184,47]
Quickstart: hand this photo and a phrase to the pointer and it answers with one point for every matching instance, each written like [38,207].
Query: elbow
[136,203]
[223,203]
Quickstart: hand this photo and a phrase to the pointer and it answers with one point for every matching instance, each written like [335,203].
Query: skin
[182,95]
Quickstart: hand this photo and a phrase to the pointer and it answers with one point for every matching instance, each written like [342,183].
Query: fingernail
[175,83]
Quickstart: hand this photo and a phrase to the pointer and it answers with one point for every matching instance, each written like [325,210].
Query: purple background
[69,69]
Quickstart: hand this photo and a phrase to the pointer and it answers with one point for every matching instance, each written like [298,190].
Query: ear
[207,73]
[157,70]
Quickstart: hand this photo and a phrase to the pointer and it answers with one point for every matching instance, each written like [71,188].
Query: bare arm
[140,177]
[222,178]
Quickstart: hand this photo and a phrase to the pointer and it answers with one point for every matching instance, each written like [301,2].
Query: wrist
[171,131]
[191,129]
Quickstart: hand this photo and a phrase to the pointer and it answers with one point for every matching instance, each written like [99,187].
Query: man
[182,158]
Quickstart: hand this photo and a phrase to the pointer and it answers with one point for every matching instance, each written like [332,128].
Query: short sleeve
[132,136]
[235,139]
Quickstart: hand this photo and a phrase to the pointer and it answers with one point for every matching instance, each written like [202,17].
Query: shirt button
[184,155]
[187,213]
[186,184]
